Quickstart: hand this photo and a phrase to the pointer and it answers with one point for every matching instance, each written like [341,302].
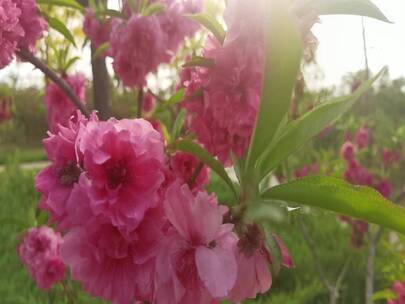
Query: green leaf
[336,195]
[60,27]
[283,57]
[71,62]
[65,3]
[178,124]
[176,97]
[386,294]
[209,23]
[154,8]
[101,50]
[204,156]
[348,7]
[303,129]
[198,61]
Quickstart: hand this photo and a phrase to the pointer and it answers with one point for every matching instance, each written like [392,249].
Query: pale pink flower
[32,23]
[123,161]
[138,46]
[97,30]
[10,30]
[56,181]
[40,253]
[113,266]
[59,106]
[197,262]
[183,167]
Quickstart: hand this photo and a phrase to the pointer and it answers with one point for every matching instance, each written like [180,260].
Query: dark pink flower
[59,106]
[5,109]
[196,263]
[399,289]
[123,161]
[385,188]
[56,181]
[149,102]
[138,46]
[108,264]
[390,157]
[363,137]
[183,167]
[40,253]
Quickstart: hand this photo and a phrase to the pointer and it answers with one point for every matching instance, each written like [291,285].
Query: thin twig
[372,249]
[28,56]
[140,103]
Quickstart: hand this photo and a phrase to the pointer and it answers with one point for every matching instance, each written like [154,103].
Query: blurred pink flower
[5,109]
[307,169]
[59,106]
[390,157]
[97,30]
[385,188]
[10,30]
[32,23]
[40,253]
[348,151]
[108,264]
[363,137]
[138,46]
[197,261]
[183,167]
[149,102]
[123,162]
[399,289]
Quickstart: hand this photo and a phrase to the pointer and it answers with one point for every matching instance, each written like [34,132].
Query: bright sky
[340,47]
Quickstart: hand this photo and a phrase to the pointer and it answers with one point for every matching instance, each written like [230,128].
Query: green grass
[21,154]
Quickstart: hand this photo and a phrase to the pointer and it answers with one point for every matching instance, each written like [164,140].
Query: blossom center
[69,174]
[117,174]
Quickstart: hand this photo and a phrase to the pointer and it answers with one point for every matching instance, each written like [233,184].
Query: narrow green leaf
[154,8]
[65,3]
[303,129]
[198,61]
[101,50]
[60,27]
[386,294]
[71,62]
[176,97]
[348,7]
[209,23]
[178,124]
[204,156]
[336,195]
[283,57]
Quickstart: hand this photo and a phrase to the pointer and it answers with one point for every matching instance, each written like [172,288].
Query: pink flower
[138,46]
[40,253]
[97,30]
[149,102]
[59,106]
[390,157]
[108,264]
[56,181]
[253,260]
[399,289]
[306,170]
[196,263]
[10,30]
[123,162]
[385,188]
[363,137]
[348,151]
[5,109]
[183,167]
[32,23]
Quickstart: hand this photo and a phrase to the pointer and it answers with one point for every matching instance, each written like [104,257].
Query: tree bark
[372,249]
[101,86]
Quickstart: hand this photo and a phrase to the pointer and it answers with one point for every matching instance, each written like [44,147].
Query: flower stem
[140,103]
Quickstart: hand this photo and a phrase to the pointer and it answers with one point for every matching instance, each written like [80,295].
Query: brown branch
[29,57]
[372,250]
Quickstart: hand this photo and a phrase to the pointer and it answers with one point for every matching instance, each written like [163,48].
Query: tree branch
[29,57]
[140,103]
[372,249]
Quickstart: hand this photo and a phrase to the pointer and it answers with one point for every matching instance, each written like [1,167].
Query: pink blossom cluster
[20,27]
[222,101]
[40,253]
[138,225]
[307,170]
[141,43]
[390,157]
[399,289]
[357,174]
[59,106]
